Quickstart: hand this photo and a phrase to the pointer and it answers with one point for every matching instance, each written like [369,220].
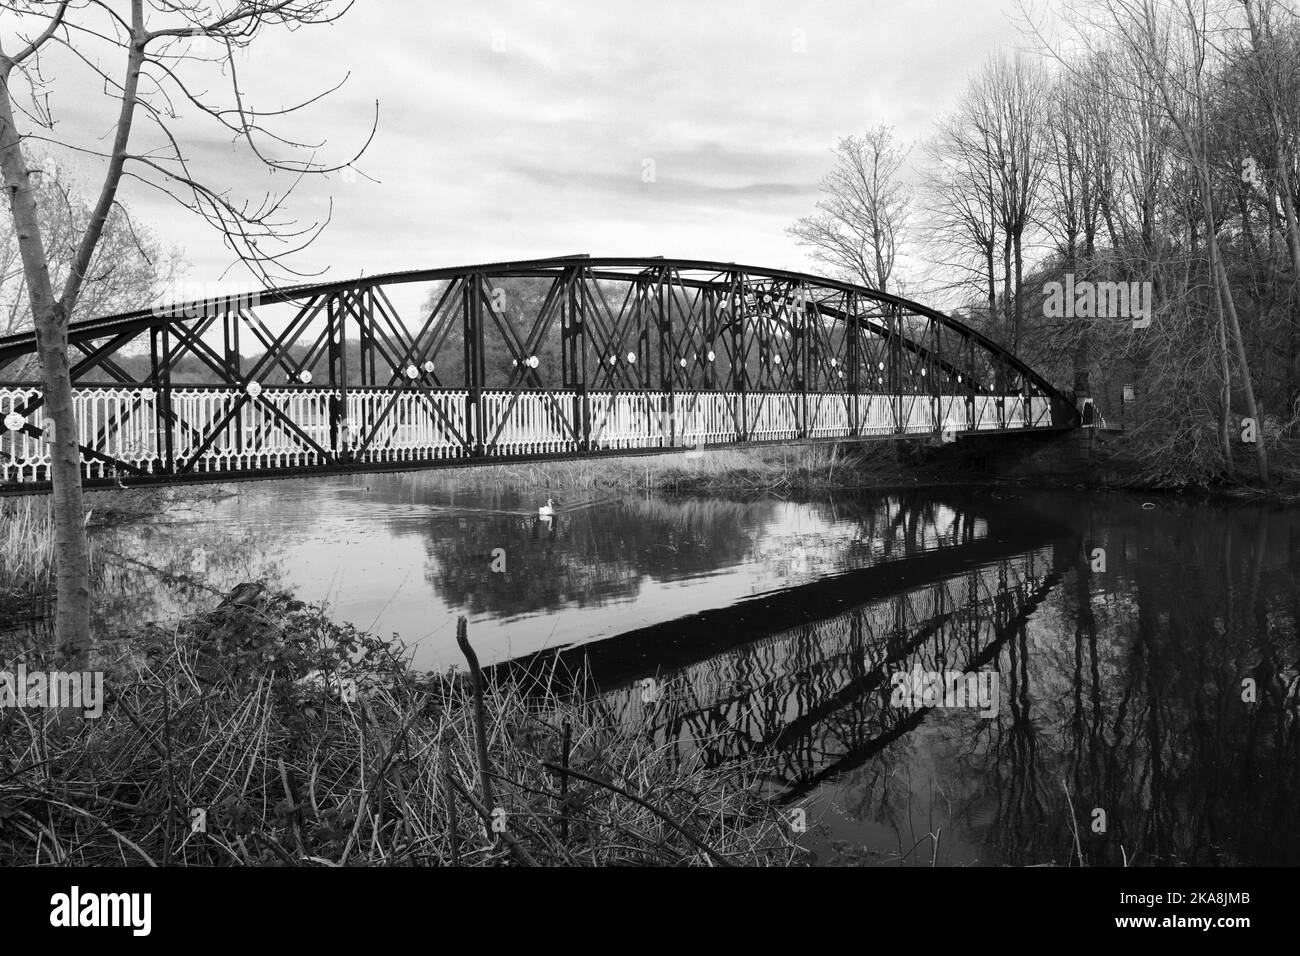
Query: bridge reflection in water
[1121,686]
[818,696]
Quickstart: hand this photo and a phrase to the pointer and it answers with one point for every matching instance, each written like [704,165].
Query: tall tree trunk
[72,552]
[1019,303]
[1239,347]
[1225,394]
[1288,207]
[1083,347]
[1006,287]
[993,281]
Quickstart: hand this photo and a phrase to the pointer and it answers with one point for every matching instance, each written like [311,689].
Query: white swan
[547,510]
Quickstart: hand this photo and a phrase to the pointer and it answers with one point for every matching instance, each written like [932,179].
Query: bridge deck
[220,433]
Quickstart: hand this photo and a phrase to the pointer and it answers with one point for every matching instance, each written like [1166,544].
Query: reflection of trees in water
[161,570]
[586,556]
[599,554]
[910,524]
[864,532]
[1134,703]
[1123,686]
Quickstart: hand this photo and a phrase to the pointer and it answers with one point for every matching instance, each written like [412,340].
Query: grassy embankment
[809,470]
[770,470]
[247,713]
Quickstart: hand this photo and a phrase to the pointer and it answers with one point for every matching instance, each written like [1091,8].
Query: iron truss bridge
[518,360]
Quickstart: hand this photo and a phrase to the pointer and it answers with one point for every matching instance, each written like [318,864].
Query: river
[1144,655]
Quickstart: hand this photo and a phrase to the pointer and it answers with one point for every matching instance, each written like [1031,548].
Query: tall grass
[26,546]
[237,739]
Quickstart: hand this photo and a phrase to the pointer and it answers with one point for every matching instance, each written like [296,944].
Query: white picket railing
[627,420]
[772,416]
[830,415]
[1041,413]
[383,425]
[529,423]
[705,418]
[986,412]
[951,413]
[121,423]
[1014,410]
[876,415]
[297,427]
[917,413]
[253,437]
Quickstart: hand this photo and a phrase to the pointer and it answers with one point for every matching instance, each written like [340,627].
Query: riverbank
[779,470]
[805,470]
[756,470]
[263,733]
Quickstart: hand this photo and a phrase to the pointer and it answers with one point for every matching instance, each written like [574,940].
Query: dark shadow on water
[1121,637]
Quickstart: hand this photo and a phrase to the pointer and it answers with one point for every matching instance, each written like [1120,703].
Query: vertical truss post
[1000,383]
[163,366]
[801,357]
[367,341]
[852,358]
[664,325]
[475,366]
[230,334]
[230,361]
[896,366]
[740,351]
[341,328]
[155,383]
[161,424]
[713,344]
[970,383]
[581,340]
[573,351]
[642,376]
[364,306]
[661,328]
[934,358]
[336,336]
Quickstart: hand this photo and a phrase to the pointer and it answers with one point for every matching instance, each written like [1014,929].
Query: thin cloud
[521,129]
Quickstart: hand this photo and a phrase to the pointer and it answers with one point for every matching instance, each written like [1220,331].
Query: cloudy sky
[522,129]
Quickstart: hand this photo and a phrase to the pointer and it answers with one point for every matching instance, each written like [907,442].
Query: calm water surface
[1120,633]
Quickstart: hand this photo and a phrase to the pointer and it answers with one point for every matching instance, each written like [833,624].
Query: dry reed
[261,733]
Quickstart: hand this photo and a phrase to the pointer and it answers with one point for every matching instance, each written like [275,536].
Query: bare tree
[963,200]
[1071,208]
[131,265]
[1276,65]
[988,159]
[860,223]
[1007,106]
[165,48]
[1155,70]
[1173,43]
